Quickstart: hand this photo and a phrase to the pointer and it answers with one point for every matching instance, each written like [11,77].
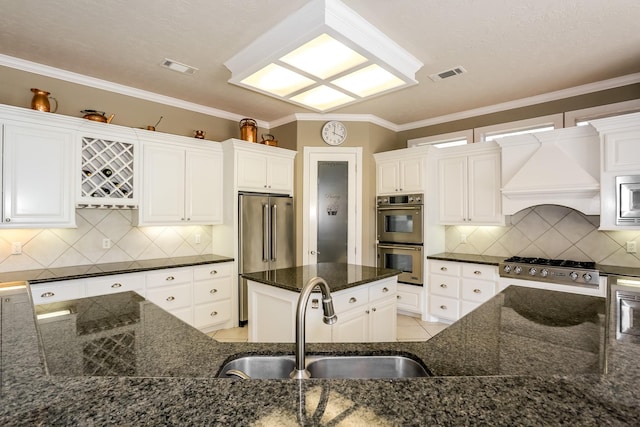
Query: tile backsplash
[62,247]
[547,231]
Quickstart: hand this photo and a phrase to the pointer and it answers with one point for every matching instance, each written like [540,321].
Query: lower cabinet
[366,313]
[410,298]
[457,288]
[200,295]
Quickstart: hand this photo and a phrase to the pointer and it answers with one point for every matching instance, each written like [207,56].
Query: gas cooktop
[561,271]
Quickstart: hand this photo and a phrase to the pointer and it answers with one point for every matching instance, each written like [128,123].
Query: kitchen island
[477,381]
[364,299]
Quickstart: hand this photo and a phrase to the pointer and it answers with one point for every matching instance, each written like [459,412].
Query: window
[519,127]
[443,140]
[582,117]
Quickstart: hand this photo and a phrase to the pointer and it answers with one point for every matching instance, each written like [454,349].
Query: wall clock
[334,132]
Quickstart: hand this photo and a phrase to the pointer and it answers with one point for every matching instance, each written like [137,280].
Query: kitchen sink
[341,366]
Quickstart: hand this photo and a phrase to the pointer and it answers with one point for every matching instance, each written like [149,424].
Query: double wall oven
[400,236]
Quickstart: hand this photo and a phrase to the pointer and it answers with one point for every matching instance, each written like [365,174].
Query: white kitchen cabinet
[114,283]
[45,293]
[400,176]
[172,290]
[212,289]
[410,298]
[469,186]
[366,313]
[457,288]
[264,172]
[181,185]
[37,176]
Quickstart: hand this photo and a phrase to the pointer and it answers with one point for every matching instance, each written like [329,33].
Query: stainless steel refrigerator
[266,237]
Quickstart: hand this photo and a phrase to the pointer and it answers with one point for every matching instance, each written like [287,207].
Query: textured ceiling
[512,49]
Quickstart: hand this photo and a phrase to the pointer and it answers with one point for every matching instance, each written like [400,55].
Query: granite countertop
[337,275]
[502,364]
[94,270]
[605,270]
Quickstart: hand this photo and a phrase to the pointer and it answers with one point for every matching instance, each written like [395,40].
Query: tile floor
[409,329]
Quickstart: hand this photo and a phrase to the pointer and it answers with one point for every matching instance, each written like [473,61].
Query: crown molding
[525,102]
[69,76]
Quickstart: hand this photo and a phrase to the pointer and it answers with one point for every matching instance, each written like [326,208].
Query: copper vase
[40,101]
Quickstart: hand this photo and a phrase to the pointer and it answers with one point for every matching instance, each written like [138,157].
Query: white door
[319,199]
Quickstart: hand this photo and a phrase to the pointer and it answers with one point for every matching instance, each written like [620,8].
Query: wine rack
[107,174]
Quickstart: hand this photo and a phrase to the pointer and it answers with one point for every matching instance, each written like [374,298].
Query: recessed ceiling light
[178,66]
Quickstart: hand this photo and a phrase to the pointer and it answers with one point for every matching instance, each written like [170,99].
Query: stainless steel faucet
[329,317]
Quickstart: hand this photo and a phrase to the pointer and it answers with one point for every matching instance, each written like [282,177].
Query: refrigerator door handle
[265,232]
[274,235]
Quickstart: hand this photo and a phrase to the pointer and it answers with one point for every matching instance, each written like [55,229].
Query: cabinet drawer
[169,277]
[211,290]
[113,284]
[171,297]
[211,314]
[212,271]
[57,291]
[382,290]
[478,290]
[447,286]
[444,307]
[479,271]
[444,267]
[409,301]
[346,300]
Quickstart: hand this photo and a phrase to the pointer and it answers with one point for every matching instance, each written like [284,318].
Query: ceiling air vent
[447,73]
[179,67]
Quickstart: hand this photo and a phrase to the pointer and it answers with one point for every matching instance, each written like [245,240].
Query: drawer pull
[366,311]
[116,285]
[385,290]
[170,278]
[213,291]
[213,272]
[352,300]
[476,291]
[373,309]
[443,307]
[171,298]
[443,285]
[443,268]
[398,297]
[477,272]
[213,314]
[47,295]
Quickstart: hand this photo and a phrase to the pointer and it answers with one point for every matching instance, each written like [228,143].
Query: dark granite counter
[95,270]
[338,276]
[536,358]
[605,270]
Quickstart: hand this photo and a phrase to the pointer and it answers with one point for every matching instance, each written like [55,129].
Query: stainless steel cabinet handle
[352,300]
[315,253]
[7,220]
[442,285]
[443,268]
[213,291]
[170,278]
[398,297]
[47,295]
[385,290]
[373,309]
[213,314]
[213,272]
[443,307]
[116,285]
[477,272]
[171,298]
[476,291]
[366,311]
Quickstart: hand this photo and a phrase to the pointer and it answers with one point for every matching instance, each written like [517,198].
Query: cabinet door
[352,326]
[203,190]
[452,182]
[484,189]
[388,175]
[163,182]
[280,175]
[382,321]
[37,166]
[252,171]
[411,175]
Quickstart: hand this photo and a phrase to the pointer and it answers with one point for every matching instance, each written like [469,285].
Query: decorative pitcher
[249,130]
[40,101]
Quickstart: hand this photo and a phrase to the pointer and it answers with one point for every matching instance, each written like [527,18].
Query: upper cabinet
[181,184]
[469,185]
[261,168]
[400,171]
[37,173]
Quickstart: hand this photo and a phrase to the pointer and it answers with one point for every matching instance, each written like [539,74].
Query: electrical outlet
[16,248]
[106,243]
[463,238]
[631,247]
[197,239]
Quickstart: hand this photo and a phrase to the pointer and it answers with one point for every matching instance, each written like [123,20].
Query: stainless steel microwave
[628,200]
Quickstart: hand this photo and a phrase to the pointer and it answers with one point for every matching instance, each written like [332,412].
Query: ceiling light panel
[322,98]
[369,81]
[277,80]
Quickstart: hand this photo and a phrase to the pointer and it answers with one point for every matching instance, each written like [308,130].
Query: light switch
[631,247]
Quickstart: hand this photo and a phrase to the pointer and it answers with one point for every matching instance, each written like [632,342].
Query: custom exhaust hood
[559,167]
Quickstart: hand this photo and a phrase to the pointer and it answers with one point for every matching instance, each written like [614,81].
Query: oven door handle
[400,208]
[409,248]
